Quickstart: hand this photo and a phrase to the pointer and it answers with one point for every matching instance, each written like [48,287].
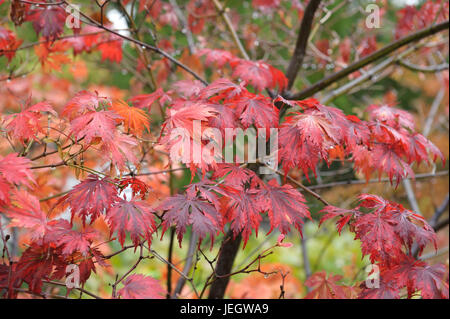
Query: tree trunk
[229,250]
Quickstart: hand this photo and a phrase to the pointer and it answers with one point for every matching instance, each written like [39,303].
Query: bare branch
[302,42]
[329,80]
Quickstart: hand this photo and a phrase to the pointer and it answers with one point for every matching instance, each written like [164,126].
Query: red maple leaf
[243,208]
[48,20]
[146,100]
[182,211]
[111,49]
[27,123]
[258,74]
[224,87]
[26,213]
[91,198]
[217,57]
[138,286]
[71,240]
[137,186]
[16,169]
[83,102]
[188,89]
[38,263]
[233,174]
[8,43]
[100,124]
[332,212]
[326,287]
[285,206]
[257,110]
[134,217]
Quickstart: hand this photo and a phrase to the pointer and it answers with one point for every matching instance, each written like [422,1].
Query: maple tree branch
[188,265]
[434,221]
[79,289]
[329,80]
[185,25]
[223,13]
[426,69]
[118,281]
[302,42]
[42,3]
[375,180]
[227,255]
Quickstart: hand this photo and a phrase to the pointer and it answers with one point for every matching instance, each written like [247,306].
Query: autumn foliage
[92,176]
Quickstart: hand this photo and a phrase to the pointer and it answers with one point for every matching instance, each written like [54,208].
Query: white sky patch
[118,20]
[406,2]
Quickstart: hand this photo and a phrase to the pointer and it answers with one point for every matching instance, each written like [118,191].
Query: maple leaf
[391,116]
[389,226]
[188,89]
[418,276]
[182,211]
[257,110]
[386,290]
[205,189]
[134,217]
[325,287]
[48,20]
[8,43]
[119,150]
[26,124]
[217,57]
[134,119]
[224,87]
[285,206]
[225,117]
[111,49]
[52,55]
[71,240]
[91,197]
[137,286]
[81,103]
[26,213]
[243,209]
[137,186]
[259,74]
[386,159]
[378,236]
[100,124]
[311,134]
[37,263]
[413,228]
[332,212]
[146,100]
[233,174]
[16,169]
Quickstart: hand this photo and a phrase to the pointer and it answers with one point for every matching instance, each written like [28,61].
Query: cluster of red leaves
[387,232]
[410,18]
[242,200]
[55,244]
[384,144]
[259,74]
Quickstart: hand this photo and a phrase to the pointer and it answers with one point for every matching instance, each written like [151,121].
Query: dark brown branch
[326,82]
[382,180]
[302,42]
[228,252]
